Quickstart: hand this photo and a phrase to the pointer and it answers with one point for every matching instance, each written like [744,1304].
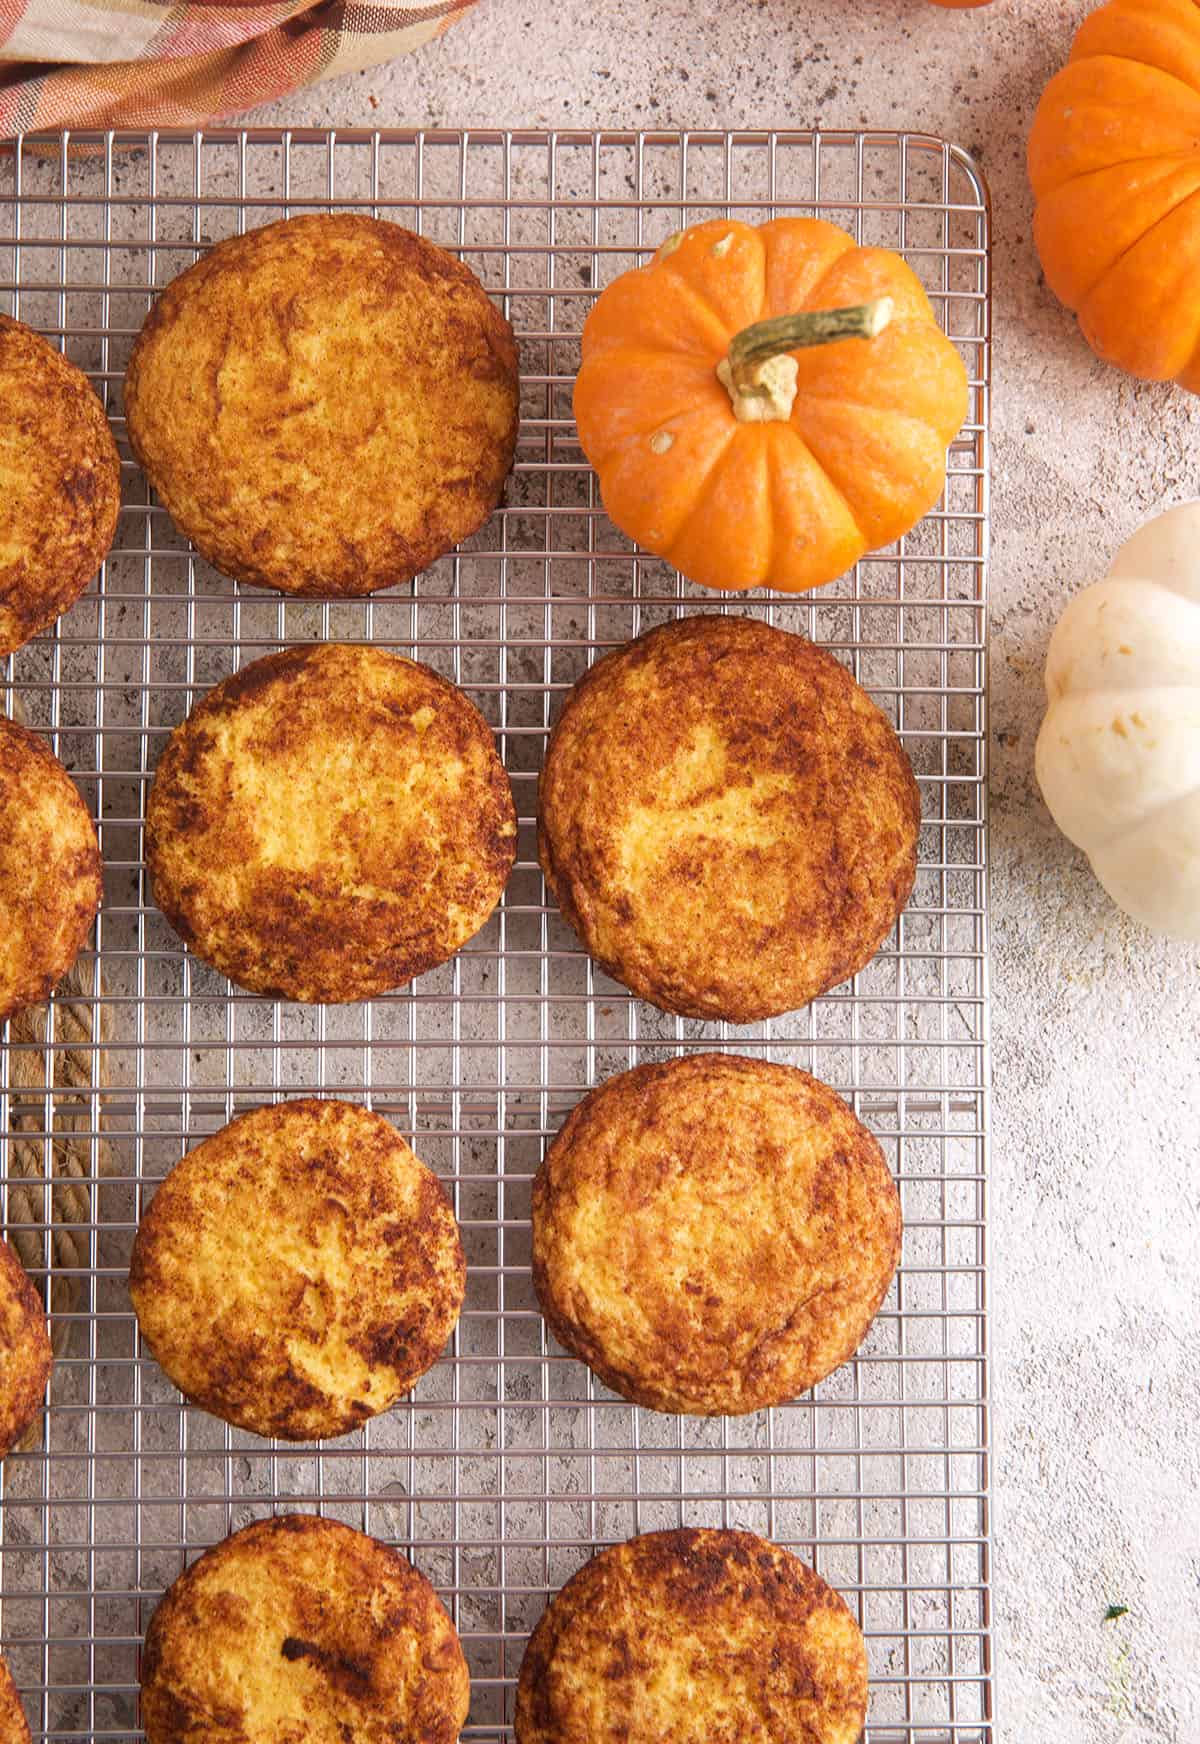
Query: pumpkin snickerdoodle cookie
[726,819]
[713,1234]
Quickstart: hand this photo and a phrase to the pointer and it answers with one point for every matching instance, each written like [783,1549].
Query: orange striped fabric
[156,63]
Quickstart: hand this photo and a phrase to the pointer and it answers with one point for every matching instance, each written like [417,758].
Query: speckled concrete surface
[1096,1203]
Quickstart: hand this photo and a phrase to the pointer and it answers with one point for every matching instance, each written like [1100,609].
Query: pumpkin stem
[760,372]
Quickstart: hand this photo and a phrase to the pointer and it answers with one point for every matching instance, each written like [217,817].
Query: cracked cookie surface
[714,1234]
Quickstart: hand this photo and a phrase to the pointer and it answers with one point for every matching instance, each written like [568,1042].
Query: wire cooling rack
[509,1465]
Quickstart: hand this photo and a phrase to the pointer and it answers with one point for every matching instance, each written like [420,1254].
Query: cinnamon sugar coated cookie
[330,822]
[325,405]
[298,1271]
[726,819]
[686,1637]
[14,1727]
[50,872]
[713,1234]
[60,484]
[302,1628]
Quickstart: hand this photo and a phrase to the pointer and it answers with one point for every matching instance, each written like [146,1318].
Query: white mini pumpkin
[1118,756]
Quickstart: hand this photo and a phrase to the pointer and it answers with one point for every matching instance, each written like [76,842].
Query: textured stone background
[1096,1201]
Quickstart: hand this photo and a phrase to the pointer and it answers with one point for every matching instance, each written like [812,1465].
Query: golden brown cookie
[714,1234]
[60,484]
[325,405]
[687,1637]
[50,872]
[330,822]
[726,819]
[25,1355]
[301,1628]
[14,1727]
[299,1270]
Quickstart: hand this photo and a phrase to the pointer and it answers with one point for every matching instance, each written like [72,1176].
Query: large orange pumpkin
[743,460]
[1114,158]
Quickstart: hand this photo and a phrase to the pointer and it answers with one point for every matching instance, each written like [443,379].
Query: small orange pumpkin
[1114,158]
[738,432]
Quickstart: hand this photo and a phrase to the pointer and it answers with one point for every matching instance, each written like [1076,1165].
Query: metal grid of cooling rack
[509,1465]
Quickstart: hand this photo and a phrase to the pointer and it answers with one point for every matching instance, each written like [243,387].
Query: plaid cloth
[151,63]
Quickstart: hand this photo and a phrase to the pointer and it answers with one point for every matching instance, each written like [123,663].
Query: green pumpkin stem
[760,372]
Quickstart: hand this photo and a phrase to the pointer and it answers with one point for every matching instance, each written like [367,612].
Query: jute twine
[76,1068]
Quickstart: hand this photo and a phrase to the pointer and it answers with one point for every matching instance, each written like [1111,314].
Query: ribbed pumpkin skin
[790,504]
[1114,158]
